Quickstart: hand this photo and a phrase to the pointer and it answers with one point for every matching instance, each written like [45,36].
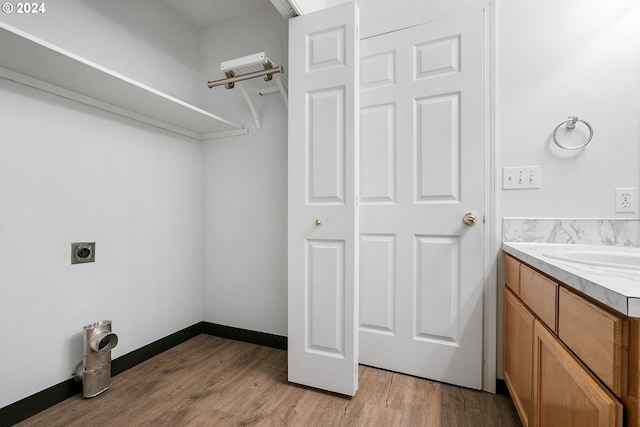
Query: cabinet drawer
[512,273]
[540,294]
[599,338]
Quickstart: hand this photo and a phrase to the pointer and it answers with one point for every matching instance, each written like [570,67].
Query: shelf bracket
[257,118]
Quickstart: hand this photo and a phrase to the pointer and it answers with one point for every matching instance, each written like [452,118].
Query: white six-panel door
[422,169]
[323,217]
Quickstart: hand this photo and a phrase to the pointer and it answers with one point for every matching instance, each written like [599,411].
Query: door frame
[492,241]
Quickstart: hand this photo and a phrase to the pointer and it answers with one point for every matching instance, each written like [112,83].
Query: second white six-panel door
[421,170]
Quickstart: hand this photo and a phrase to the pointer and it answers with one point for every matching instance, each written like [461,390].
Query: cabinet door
[565,393]
[518,355]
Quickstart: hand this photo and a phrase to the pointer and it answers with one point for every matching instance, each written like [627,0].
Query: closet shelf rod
[230,80]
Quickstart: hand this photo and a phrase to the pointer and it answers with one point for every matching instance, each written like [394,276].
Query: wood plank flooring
[211,381]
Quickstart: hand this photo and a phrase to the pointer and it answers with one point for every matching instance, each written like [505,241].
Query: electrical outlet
[520,177]
[626,199]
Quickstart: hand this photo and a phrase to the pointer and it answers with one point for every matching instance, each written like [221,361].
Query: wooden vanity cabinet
[549,384]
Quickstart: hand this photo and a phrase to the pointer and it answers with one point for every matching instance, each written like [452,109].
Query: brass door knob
[318,221]
[469,219]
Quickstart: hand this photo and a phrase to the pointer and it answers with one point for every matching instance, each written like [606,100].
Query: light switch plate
[520,177]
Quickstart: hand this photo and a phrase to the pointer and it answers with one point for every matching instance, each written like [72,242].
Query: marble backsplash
[612,232]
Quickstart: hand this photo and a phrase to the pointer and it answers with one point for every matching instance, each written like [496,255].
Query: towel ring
[571,124]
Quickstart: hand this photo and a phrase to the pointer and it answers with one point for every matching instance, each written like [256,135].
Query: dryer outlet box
[82,252]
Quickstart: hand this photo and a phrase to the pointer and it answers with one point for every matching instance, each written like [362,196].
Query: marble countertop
[615,287]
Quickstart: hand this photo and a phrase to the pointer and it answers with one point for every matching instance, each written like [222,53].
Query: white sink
[616,258]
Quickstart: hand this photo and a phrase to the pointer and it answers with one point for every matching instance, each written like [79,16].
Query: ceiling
[202,13]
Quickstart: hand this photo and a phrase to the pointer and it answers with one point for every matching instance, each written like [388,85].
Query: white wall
[72,173]
[245,186]
[142,39]
[556,59]
[69,173]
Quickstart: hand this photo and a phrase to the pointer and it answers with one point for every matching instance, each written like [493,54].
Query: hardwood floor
[211,381]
